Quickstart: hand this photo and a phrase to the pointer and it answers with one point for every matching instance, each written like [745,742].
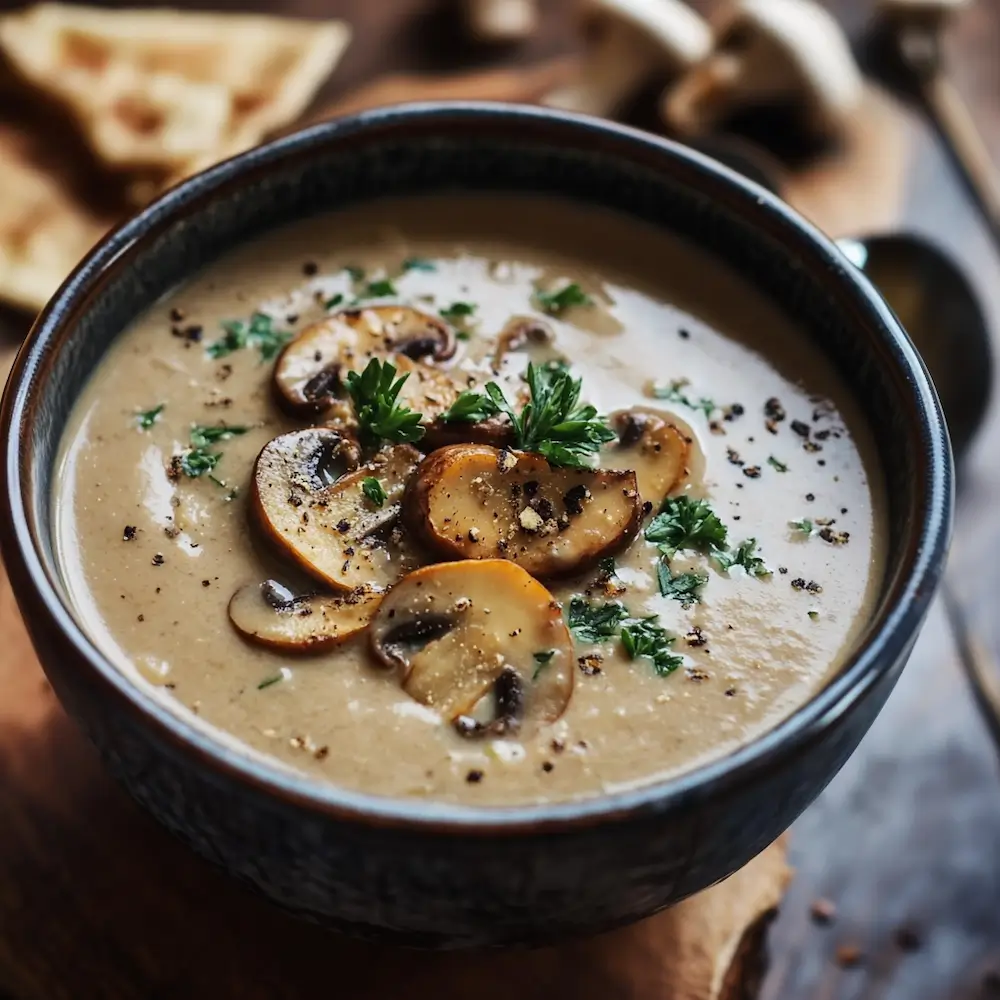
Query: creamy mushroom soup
[493,500]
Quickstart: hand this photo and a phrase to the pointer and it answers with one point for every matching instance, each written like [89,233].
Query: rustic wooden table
[906,841]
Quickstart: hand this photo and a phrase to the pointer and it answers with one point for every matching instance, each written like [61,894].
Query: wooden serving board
[96,901]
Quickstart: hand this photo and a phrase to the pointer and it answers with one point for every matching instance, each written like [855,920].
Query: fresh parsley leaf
[463,335]
[470,408]
[684,523]
[333,302]
[592,622]
[374,393]
[202,434]
[198,461]
[644,637]
[606,566]
[685,587]
[458,311]
[259,333]
[379,289]
[542,658]
[803,525]
[814,615]
[674,393]
[776,465]
[147,418]
[356,273]
[557,302]
[743,555]
[268,681]
[372,489]
[553,423]
[419,264]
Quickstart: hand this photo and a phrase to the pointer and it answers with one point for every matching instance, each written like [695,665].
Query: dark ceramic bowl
[446,875]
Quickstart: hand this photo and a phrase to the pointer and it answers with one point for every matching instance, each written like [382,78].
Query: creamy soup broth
[778,449]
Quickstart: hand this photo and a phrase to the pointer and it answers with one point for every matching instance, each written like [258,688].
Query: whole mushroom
[770,53]
[498,22]
[631,42]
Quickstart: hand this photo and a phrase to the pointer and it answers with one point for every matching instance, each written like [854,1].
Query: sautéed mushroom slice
[329,523]
[310,370]
[476,502]
[653,447]
[269,614]
[463,632]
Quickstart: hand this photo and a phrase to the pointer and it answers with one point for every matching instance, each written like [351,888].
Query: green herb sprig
[372,489]
[470,408]
[593,622]
[684,587]
[686,523]
[745,555]
[644,637]
[542,659]
[556,302]
[146,418]
[458,312]
[198,460]
[554,424]
[674,393]
[374,394]
[259,332]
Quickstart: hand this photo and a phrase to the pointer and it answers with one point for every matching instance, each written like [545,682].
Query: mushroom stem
[632,41]
[500,21]
[612,74]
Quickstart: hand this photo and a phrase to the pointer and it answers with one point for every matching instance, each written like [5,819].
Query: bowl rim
[254,774]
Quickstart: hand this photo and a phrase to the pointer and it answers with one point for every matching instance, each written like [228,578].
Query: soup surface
[692,594]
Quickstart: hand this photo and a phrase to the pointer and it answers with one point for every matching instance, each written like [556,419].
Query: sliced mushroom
[475,502]
[630,42]
[651,445]
[520,332]
[325,521]
[457,633]
[787,53]
[271,615]
[310,369]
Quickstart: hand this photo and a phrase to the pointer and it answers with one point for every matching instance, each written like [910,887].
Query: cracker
[169,91]
[44,230]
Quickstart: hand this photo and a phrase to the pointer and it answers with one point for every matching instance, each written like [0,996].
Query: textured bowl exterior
[438,875]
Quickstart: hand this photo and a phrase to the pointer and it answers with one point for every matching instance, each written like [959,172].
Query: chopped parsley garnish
[198,461]
[684,523]
[458,311]
[743,555]
[379,289]
[592,622]
[470,408]
[803,525]
[553,423]
[684,587]
[202,434]
[463,335]
[643,637]
[814,615]
[356,273]
[374,393]
[259,333]
[776,464]
[606,566]
[333,302]
[147,418]
[674,393]
[556,302]
[419,264]
[542,658]
[268,681]
[372,489]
